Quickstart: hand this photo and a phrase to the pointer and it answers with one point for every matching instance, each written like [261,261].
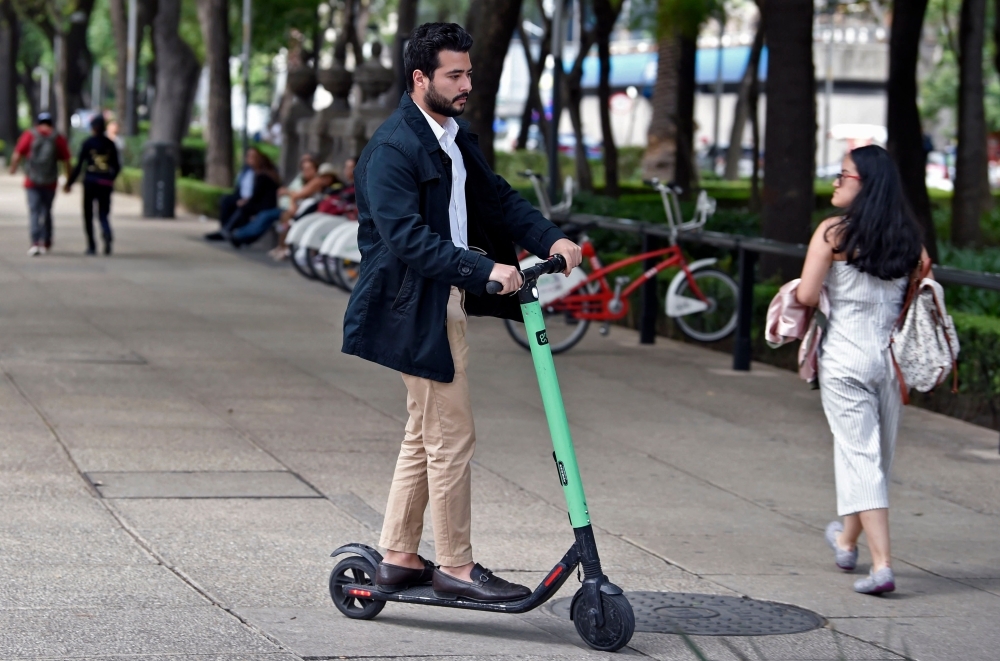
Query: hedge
[195,196]
[978,398]
[200,198]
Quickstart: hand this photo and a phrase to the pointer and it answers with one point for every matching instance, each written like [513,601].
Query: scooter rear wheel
[619,623]
[354,571]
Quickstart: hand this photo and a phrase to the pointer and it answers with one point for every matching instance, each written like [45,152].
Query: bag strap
[919,273]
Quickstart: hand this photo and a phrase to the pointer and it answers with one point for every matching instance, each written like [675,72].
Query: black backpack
[42,166]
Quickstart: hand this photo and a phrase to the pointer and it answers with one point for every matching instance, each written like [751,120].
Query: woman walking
[865,259]
[98,161]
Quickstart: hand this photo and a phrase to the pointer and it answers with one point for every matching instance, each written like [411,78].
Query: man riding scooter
[435,225]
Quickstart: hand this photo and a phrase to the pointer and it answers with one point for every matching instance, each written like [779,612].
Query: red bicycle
[702,300]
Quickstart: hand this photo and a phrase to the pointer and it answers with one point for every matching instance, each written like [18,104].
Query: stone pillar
[329,133]
[298,107]
[374,80]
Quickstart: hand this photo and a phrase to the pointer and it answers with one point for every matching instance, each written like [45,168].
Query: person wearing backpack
[99,162]
[863,261]
[41,148]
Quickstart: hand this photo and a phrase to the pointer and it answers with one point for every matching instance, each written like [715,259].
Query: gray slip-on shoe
[876,582]
[846,560]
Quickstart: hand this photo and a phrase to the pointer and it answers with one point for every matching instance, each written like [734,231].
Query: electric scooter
[600,611]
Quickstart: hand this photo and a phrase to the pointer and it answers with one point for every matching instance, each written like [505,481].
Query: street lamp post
[246,74]
[718,90]
[828,86]
[557,76]
[131,123]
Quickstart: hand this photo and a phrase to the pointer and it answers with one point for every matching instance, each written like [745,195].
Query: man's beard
[441,105]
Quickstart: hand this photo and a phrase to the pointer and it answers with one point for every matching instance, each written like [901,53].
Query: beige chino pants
[434,460]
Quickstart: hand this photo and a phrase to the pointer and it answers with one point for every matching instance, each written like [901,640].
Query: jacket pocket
[405,294]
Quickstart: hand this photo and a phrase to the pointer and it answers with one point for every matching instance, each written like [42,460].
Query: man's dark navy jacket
[398,310]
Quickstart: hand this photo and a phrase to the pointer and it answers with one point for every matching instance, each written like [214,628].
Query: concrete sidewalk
[176,369]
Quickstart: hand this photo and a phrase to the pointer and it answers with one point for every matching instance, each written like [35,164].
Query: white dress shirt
[457,211]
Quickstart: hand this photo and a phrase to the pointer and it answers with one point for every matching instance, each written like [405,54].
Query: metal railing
[747,250]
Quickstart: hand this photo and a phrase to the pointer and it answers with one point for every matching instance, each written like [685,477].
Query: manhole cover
[710,615]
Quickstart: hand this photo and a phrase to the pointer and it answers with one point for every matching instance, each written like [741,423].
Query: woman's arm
[308,190]
[818,260]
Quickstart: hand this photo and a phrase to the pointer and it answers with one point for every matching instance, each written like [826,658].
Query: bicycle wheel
[330,269]
[719,320]
[298,259]
[563,329]
[314,263]
[348,272]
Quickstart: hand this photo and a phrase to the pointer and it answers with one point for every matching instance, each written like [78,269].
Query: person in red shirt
[41,148]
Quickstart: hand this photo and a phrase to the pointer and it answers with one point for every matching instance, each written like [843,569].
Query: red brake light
[553,575]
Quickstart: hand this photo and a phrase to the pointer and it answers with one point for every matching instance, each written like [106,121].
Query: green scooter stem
[555,412]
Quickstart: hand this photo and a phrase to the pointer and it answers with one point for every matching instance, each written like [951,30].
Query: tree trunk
[214,18]
[687,172]
[735,152]
[492,24]
[972,189]
[406,21]
[119,25]
[606,12]
[177,73]
[790,131]
[573,95]
[906,135]
[78,59]
[533,104]
[660,158]
[9,42]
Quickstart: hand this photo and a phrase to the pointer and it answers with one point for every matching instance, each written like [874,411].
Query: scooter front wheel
[619,623]
[354,571]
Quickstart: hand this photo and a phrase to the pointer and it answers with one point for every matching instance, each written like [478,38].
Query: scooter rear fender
[365,551]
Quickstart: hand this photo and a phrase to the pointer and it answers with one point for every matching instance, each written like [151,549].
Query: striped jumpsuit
[858,385]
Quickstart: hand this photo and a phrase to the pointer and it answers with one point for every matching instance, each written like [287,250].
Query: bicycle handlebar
[661,185]
[554,264]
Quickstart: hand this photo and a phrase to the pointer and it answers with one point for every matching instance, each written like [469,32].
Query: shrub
[195,196]
[129,181]
[978,398]
[198,197]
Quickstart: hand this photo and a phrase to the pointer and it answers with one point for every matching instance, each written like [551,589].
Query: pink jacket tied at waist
[788,320]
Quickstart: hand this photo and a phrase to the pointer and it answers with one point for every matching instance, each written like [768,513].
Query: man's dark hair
[99,124]
[426,42]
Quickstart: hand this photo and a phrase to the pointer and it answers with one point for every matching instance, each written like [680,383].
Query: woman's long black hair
[877,231]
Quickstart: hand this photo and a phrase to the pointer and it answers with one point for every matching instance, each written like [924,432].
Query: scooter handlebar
[554,264]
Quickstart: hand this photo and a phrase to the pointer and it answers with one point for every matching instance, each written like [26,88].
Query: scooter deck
[424,595]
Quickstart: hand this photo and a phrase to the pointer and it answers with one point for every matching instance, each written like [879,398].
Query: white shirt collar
[450,126]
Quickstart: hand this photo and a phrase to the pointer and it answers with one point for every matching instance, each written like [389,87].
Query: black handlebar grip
[493,287]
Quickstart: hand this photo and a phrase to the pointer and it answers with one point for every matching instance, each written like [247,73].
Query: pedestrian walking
[98,160]
[41,148]
[864,259]
[425,198]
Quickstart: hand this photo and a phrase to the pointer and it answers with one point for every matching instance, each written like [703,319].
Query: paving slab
[200,484]
[92,632]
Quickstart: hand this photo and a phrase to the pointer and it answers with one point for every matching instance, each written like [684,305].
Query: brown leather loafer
[484,587]
[392,578]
